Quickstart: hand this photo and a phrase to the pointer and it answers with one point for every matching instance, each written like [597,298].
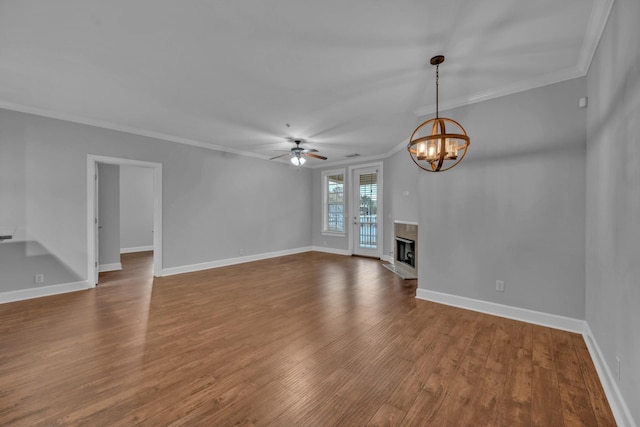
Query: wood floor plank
[546,407]
[309,339]
[458,405]
[386,416]
[599,403]
[542,348]
[516,405]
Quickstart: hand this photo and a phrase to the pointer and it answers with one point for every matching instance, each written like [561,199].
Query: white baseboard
[230,261]
[44,291]
[616,401]
[387,258]
[614,396]
[102,268]
[136,249]
[330,250]
[523,314]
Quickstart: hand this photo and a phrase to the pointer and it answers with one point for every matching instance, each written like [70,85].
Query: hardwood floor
[136,267]
[305,340]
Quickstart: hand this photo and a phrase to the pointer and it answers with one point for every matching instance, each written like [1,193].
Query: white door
[365,218]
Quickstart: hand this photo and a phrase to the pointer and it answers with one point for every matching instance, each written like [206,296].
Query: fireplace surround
[405,259]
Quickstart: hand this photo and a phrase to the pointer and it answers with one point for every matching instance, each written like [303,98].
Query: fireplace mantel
[405,222]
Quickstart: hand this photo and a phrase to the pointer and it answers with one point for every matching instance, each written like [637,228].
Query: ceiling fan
[297,154]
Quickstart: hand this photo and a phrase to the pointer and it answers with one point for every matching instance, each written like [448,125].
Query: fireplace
[405,259]
[406,251]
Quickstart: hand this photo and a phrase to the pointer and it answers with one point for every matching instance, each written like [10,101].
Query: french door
[366,211]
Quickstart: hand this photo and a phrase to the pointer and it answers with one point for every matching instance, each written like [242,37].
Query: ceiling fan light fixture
[298,155]
[298,160]
[431,146]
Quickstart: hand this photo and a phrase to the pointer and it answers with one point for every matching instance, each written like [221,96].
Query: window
[333,202]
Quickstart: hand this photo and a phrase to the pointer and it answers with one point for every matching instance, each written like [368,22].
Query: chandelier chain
[437,85]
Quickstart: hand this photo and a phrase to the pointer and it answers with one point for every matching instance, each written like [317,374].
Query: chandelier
[430,146]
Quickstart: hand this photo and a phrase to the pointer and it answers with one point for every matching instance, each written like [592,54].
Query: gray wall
[513,210]
[401,196]
[108,214]
[20,261]
[13,186]
[613,198]
[136,207]
[215,204]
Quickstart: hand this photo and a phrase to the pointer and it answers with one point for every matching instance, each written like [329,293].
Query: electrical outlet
[38,278]
[500,285]
[241,252]
[618,367]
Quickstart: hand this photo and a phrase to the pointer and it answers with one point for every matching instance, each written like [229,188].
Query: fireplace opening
[406,251]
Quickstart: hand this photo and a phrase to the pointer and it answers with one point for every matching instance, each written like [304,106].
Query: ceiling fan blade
[310,150]
[281,155]
[315,156]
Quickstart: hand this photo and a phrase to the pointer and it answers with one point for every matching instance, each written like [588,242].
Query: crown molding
[597,22]
[355,161]
[545,80]
[595,27]
[122,128]
[401,146]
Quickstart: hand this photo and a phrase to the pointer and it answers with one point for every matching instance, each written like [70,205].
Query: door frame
[92,161]
[354,208]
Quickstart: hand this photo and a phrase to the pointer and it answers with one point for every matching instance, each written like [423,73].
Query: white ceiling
[348,76]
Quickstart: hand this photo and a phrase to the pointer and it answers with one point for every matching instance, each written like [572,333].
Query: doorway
[366,208]
[93,235]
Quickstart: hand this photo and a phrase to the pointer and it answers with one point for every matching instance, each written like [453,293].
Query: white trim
[157,219]
[92,161]
[516,313]
[123,128]
[398,221]
[595,27]
[24,294]
[136,249]
[333,234]
[351,161]
[331,250]
[103,268]
[230,261]
[617,403]
[534,83]
[387,258]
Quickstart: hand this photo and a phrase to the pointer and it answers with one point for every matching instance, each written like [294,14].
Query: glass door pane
[368,190]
